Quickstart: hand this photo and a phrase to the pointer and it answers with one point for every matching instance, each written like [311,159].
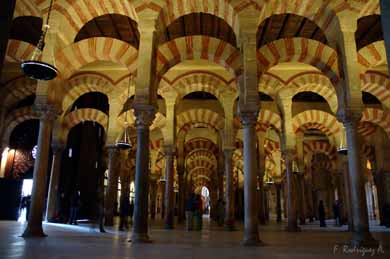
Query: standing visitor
[386,215]
[190,211]
[321,214]
[74,208]
[124,213]
[198,212]
[336,212]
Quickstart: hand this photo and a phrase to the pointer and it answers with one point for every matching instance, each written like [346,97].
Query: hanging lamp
[34,68]
[124,142]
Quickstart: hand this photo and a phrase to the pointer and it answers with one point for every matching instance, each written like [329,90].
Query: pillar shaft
[229,190]
[153,198]
[169,192]
[112,185]
[251,233]
[301,198]
[180,217]
[278,187]
[292,225]
[6,14]
[34,226]
[52,200]
[361,234]
[144,118]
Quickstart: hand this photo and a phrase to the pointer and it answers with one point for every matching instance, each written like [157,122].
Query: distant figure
[198,212]
[124,213]
[386,215]
[131,211]
[190,211]
[25,204]
[321,214]
[336,212]
[220,212]
[74,208]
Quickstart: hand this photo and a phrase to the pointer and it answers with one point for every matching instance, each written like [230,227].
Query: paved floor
[83,241]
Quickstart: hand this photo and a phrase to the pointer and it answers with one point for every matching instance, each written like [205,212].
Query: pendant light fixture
[124,142]
[34,68]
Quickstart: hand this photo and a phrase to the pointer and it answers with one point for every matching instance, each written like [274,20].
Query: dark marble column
[278,188]
[229,190]
[52,199]
[180,216]
[153,198]
[385,12]
[251,221]
[292,225]
[144,118]
[112,185]
[361,235]
[169,192]
[34,225]
[301,198]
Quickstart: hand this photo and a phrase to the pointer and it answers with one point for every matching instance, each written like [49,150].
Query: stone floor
[84,241]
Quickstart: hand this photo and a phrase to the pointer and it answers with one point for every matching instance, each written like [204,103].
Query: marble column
[162,188]
[112,185]
[361,235]
[180,216]
[278,188]
[144,118]
[169,192]
[34,225]
[385,18]
[229,189]
[251,232]
[52,199]
[153,198]
[292,225]
[301,198]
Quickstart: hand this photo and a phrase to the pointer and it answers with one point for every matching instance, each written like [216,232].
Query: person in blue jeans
[190,212]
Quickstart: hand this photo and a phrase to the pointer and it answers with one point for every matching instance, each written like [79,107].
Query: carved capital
[228,152]
[46,112]
[57,149]
[288,153]
[348,117]
[145,115]
[248,118]
[169,150]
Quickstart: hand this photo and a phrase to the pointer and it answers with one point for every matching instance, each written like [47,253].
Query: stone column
[6,14]
[292,225]
[301,198]
[52,199]
[361,235]
[347,191]
[153,197]
[34,225]
[251,232]
[180,216]
[385,12]
[144,118]
[229,190]
[112,185]
[169,192]
[162,188]
[278,188]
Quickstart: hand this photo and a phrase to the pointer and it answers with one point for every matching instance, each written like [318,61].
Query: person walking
[74,209]
[198,213]
[321,214]
[124,213]
[336,212]
[220,212]
[190,211]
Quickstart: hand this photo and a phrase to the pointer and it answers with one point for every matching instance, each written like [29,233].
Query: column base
[292,228]
[140,238]
[229,227]
[363,239]
[33,232]
[252,241]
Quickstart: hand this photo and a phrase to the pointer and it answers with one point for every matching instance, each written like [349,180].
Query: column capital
[248,118]
[169,150]
[46,112]
[348,116]
[57,148]
[228,151]
[145,115]
[288,153]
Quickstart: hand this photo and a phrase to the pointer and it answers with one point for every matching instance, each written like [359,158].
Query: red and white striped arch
[201,154]
[270,84]
[74,14]
[378,117]
[301,50]
[269,118]
[321,12]
[366,8]
[200,144]
[79,54]
[82,84]
[174,9]
[317,83]
[372,55]
[75,117]
[17,51]
[205,116]
[378,85]
[208,48]
[26,8]
[16,90]
[201,163]
[14,118]
[317,119]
